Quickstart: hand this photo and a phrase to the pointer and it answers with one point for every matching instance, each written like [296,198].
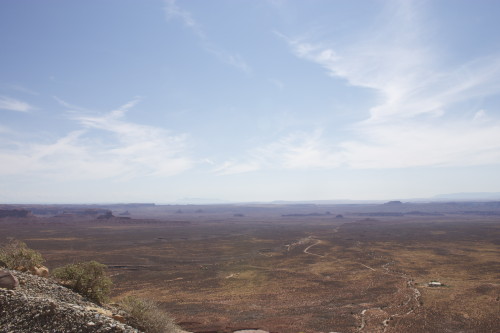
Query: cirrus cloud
[104,146]
[8,103]
[420,118]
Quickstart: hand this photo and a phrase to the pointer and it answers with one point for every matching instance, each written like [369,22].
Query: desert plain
[288,267]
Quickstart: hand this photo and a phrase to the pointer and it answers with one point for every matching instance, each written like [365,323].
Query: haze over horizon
[155,101]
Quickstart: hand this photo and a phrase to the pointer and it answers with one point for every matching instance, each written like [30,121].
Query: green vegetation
[145,315]
[16,255]
[86,278]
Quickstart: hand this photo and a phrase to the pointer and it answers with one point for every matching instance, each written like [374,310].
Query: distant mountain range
[465,196]
[201,201]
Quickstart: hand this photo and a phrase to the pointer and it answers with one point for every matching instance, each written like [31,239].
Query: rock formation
[8,280]
[14,213]
[39,270]
[40,305]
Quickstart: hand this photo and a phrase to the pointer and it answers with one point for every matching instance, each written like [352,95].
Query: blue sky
[158,101]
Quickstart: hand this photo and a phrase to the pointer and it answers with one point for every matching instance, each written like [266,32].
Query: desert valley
[393,267]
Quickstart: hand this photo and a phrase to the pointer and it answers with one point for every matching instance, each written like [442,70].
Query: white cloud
[378,146]
[397,61]
[234,60]
[277,83]
[418,119]
[237,61]
[415,144]
[70,107]
[7,103]
[233,167]
[4,129]
[403,70]
[106,146]
[298,150]
[173,11]
[23,89]
[480,116]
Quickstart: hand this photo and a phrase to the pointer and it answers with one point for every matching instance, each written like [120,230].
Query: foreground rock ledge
[40,305]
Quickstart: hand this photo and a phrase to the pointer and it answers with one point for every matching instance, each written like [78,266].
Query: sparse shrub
[17,255]
[145,315]
[86,278]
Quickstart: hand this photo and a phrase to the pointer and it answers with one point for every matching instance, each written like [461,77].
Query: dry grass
[145,315]
[185,267]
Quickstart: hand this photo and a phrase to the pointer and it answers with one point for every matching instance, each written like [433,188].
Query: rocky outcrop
[394,202]
[106,216]
[39,270]
[14,213]
[8,280]
[40,305]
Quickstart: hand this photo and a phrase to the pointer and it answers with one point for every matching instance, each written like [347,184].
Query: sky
[247,100]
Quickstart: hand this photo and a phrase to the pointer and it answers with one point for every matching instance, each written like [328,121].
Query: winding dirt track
[376,319]
[306,250]
[371,268]
[410,305]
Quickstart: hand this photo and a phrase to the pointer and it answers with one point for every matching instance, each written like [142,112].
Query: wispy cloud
[234,60]
[378,146]
[68,106]
[8,103]
[23,89]
[105,146]
[174,11]
[419,118]
[235,167]
[300,150]
[417,143]
[297,150]
[277,83]
[398,61]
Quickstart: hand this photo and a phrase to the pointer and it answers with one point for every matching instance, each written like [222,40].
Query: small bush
[17,255]
[145,315]
[86,278]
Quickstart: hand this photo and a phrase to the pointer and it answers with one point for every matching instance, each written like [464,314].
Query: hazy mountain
[469,196]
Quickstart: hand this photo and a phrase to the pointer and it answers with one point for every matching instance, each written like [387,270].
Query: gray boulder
[7,280]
